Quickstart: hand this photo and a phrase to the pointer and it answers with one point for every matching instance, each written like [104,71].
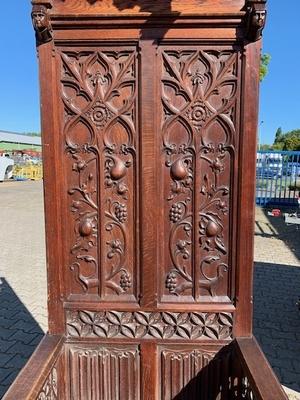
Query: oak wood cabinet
[149,118]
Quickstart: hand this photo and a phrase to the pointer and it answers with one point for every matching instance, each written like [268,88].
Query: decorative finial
[256,19]
[41,23]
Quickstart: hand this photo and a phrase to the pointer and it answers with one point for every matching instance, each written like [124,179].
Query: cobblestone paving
[23,312]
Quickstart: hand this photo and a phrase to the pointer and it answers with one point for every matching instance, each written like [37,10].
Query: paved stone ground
[276,292]
[23,312]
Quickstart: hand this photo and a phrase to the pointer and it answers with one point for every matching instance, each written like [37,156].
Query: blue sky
[280,91]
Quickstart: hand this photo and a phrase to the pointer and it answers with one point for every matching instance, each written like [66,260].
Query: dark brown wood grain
[149,114]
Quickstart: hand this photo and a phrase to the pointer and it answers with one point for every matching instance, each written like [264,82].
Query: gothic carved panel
[179,367]
[195,372]
[99,94]
[104,372]
[149,325]
[199,94]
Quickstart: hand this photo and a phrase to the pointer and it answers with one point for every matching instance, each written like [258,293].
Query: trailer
[6,167]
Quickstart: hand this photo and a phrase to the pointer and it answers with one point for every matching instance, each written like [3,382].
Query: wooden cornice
[250,20]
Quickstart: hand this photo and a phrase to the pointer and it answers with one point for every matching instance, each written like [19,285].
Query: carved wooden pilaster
[256,19]
[41,21]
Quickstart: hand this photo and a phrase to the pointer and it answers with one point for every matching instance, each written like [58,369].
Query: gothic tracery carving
[99,95]
[198,97]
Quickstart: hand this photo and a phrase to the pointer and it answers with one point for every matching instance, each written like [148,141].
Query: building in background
[12,142]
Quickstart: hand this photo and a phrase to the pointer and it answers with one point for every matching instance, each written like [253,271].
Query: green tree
[292,140]
[278,136]
[287,141]
[264,65]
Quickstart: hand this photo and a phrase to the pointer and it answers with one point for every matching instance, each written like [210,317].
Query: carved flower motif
[181,246]
[198,114]
[98,78]
[197,78]
[222,206]
[217,165]
[99,114]
[115,247]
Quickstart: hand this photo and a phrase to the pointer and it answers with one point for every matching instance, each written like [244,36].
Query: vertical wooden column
[148,188]
[246,207]
[52,192]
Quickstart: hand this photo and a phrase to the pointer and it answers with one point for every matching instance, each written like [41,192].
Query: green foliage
[287,141]
[264,65]
[292,140]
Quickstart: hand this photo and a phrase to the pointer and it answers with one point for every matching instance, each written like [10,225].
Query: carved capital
[41,23]
[256,19]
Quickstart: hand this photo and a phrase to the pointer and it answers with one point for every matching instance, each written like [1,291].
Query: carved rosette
[198,133]
[147,325]
[99,97]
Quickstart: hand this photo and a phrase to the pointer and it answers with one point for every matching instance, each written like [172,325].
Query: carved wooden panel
[104,372]
[186,372]
[199,119]
[99,94]
[149,325]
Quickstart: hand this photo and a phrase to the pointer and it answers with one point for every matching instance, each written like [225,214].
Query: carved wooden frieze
[159,325]
[104,372]
[99,94]
[49,390]
[198,124]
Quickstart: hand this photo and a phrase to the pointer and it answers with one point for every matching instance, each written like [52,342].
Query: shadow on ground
[277,319]
[289,234]
[19,335]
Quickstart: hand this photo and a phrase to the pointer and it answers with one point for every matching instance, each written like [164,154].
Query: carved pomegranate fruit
[179,170]
[86,227]
[212,228]
[118,170]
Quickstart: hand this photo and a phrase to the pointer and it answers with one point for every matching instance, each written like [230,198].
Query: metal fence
[277,178]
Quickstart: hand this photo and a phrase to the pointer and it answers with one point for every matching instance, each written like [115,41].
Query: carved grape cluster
[171,281]
[176,212]
[125,281]
[121,212]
